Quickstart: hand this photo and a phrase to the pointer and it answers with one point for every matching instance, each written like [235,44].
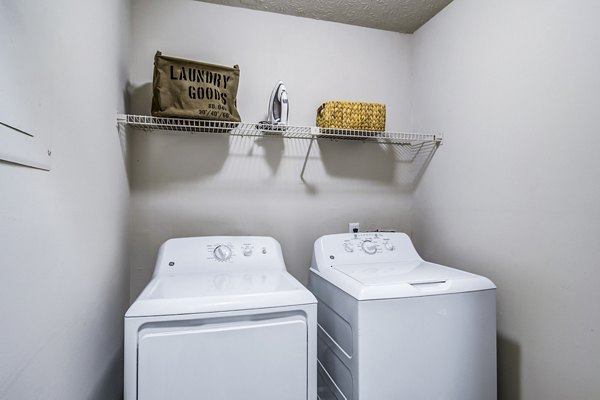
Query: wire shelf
[378,136]
[193,126]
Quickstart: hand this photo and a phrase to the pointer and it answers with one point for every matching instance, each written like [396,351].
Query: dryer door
[224,359]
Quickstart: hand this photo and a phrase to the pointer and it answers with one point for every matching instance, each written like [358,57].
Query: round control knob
[369,247]
[348,247]
[247,251]
[389,246]
[222,253]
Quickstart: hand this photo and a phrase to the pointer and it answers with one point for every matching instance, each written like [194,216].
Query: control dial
[348,247]
[369,247]
[222,253]
[389,246]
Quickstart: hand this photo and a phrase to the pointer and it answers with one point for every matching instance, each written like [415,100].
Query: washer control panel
[370,244]
[197,254]
[364,248]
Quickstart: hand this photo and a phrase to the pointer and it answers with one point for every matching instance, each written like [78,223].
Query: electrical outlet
[353,227]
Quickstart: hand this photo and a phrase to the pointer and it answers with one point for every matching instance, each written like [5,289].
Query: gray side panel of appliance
[337,340]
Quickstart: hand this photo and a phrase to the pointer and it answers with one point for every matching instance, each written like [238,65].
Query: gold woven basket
[351,115]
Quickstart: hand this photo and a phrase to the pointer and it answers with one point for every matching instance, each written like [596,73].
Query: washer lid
[401,279]
[214,292]
[411,272]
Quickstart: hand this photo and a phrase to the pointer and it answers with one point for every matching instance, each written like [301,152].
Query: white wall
[63,246]
[514,192]
[185,186]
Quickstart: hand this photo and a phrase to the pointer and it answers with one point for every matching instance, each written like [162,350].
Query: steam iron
[279,109]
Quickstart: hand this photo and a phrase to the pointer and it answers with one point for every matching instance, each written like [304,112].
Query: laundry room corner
[205,185]
[299,200]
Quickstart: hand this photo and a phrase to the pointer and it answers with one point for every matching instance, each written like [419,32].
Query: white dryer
[392,326]
[221,320]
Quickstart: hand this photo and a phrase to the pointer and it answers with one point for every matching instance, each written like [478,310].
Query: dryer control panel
[364,248]
[210,253]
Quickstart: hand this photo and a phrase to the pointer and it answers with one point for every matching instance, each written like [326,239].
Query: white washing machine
[394,327]
[221,320]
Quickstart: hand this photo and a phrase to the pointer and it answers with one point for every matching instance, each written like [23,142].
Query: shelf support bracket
[314,132]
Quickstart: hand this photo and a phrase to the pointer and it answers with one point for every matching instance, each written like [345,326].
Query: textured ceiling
[405,16]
